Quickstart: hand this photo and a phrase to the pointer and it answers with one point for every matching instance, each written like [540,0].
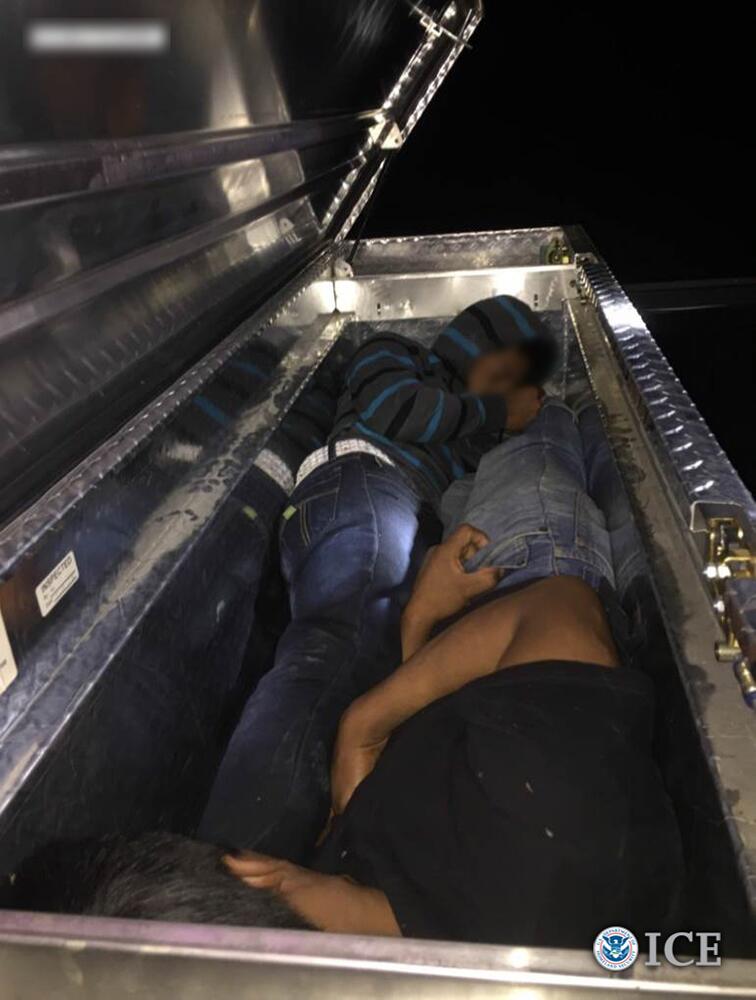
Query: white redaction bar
[104,37]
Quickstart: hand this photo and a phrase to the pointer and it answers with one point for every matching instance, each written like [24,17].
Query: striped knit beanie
[489,325]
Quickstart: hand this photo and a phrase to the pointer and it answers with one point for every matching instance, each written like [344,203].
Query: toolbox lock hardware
[730,558]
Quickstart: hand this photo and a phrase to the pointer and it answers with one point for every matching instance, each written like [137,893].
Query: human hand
[523,406]
[443,586]
[261,871]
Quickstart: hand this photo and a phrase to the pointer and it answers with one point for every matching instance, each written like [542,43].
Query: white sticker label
[8,668]
[57,583]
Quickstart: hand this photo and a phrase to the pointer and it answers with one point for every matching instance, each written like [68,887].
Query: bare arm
[444,587]
[416,632]
[505,633]
[471,648]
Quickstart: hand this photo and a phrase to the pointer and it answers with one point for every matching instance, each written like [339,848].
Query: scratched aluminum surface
[108,959]
[698,472]
[456,251]
[156,541]
[43,515]
[150,254]
[702,470]
[148,206]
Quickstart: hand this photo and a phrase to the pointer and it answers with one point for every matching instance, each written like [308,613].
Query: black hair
[154,876]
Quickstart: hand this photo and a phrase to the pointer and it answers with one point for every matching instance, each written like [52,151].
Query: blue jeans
[350,552]
[551,502]
[604,485]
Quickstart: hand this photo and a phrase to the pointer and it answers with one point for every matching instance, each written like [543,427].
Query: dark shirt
[525,808]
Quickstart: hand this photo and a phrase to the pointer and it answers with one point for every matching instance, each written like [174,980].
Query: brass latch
[729,557]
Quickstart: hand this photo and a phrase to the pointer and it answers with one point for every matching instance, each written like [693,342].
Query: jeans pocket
[317,509]
[311,506]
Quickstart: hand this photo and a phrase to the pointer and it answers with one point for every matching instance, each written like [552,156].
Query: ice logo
[616,948]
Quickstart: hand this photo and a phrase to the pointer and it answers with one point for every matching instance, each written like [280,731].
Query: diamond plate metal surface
[702,470]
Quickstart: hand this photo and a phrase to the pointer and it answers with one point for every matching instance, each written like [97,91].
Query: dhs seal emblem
[616,948]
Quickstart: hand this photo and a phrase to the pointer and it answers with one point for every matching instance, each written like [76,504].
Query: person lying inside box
[499,786]
[411,420]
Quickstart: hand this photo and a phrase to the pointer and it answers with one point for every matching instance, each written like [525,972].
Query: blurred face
[498,372]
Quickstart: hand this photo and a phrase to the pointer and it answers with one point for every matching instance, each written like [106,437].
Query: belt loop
[331,450]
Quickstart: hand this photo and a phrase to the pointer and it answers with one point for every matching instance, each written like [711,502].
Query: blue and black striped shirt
[411,402]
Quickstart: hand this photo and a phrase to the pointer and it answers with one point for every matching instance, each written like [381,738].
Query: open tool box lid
[141,252]
[151,200]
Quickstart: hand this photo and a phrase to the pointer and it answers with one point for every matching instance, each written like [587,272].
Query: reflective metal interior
[97,959]
[162,217]
[116,722]
[149,203]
